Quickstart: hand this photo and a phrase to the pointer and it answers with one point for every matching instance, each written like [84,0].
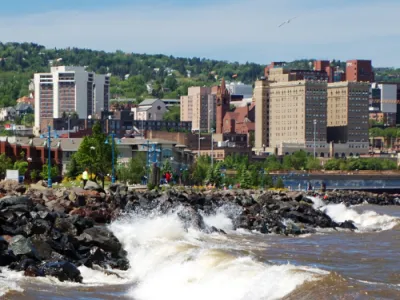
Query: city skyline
[224,30]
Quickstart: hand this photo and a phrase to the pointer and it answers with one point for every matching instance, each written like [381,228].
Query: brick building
[241,120]
[359,70]
[35,151]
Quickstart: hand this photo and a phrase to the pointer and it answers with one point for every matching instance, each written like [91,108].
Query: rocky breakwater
[266,212]
[45,232]
[359,197]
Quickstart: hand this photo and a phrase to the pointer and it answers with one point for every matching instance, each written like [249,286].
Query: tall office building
[312,115]
[69,89]
[348,113]
[261,99]
[294,107]
[195,108]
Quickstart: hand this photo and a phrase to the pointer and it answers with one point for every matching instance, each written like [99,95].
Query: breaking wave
[365,221]
[9,282]
[171,262]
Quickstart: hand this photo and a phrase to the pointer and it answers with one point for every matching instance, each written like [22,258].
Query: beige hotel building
[286,110]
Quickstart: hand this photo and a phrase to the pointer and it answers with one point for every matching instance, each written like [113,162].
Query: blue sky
[233,30]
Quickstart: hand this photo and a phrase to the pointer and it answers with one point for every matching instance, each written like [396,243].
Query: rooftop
[147,102]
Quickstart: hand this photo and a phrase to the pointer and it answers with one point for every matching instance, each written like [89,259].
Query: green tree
[200,169]
[245,180]
[313,164]
[272,163]
[134,170]
[5,164]
[166,167]
[45,174]
[34,175]
[376,132]
[72,168]
[332,164]
[171,83]
[173,114]
[279,183]
[21,166]
[95,153]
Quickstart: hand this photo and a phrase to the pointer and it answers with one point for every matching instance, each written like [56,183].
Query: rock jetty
[51,232]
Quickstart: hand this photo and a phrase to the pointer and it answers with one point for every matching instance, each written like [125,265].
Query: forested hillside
[169,76]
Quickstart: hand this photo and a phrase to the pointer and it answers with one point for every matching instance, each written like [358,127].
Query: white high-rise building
[69,89]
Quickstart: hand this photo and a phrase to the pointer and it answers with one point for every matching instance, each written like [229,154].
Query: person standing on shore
[85,177]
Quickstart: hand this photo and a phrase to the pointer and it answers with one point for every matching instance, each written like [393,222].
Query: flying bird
[287,22]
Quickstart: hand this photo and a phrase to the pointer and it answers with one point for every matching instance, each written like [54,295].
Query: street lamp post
[49,181]
[112,157]
[315,129]
[199,144]
[69,124]
[212,148]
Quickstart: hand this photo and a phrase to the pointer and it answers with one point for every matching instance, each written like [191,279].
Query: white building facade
[69,89]
[150,109]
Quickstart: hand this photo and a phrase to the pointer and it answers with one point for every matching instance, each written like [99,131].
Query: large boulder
[21,245]
[100,237]
[65,225]
[15,200]
[93,186]
[43,249]
[7,258]
[191,218]
[38,226]
[63,270]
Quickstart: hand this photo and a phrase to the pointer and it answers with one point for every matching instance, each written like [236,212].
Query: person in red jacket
[167,177]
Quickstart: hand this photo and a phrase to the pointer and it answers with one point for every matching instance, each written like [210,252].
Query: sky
[232,30]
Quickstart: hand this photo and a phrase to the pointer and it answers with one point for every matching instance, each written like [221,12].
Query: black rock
[348,225]
[33,271]
[191,218]
[121,264]
[81,223]
[43,249]
[96,256]
[37,226]
[21,245]
[63,270]
[14,200]
[65,225]
[100,237]
[3,244]
[6,258]
[23,264]
[93,186]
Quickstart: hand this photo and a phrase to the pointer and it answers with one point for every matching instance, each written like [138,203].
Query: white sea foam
[364,221]
[168,262]
[9,281]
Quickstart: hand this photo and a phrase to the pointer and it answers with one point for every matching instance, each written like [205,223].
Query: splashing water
[365,221]
[8,281]
[169,262]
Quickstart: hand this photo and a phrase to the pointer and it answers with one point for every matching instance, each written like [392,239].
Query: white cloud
[246,30]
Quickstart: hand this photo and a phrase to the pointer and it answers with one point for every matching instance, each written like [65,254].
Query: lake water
[169,262]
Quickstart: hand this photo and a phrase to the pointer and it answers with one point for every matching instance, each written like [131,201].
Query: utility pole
[315,129]
[49,181]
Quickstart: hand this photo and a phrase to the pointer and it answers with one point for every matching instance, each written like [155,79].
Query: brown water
[168,263]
